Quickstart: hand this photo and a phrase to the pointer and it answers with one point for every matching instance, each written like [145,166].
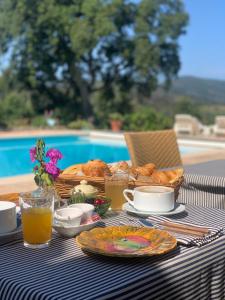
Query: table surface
[63,271]
[210,168]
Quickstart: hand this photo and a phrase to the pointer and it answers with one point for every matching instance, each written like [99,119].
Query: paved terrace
[194,163]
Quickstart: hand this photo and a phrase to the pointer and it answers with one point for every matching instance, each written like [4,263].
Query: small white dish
[70,216]
[18,228]
[71,231]
[179,208]
[7,216]
[86,208]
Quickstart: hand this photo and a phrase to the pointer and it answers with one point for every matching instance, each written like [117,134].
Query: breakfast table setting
[125,236]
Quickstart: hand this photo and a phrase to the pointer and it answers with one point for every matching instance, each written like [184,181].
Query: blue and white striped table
[63,271]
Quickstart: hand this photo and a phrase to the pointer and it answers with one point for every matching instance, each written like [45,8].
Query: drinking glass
[37,215]
[114,186]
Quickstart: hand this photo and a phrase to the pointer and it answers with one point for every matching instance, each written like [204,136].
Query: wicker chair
[159,147]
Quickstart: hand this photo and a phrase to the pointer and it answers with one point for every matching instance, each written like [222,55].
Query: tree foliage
[146,118]
[185,105]
[82,54]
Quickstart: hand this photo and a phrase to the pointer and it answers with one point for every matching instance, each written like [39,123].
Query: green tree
[146,118]
[66,50]
[185,105]
[16,105]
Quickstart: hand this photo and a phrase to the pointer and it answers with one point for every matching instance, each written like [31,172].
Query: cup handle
[127,191]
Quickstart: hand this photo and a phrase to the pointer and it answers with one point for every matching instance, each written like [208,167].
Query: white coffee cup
[151,198]
[7,216]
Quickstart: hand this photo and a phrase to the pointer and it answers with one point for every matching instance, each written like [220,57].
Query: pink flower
[54,155]
[33,154]
[52,169]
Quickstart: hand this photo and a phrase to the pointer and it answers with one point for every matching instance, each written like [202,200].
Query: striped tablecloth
[201,190]
[63,271]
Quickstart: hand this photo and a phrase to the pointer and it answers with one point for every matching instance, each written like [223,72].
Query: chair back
[158,147]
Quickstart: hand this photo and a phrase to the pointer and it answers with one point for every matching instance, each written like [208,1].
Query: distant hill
[201,90]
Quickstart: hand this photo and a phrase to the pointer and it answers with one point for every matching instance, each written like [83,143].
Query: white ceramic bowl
[7,216]
[86,208]
[71,231]
[70,216]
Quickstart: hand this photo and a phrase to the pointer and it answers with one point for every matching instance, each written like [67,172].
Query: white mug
[151,198]
[7,216]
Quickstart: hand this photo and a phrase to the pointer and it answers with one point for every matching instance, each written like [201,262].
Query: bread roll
[74,169]
[150,167]
[95,168]
[120,166]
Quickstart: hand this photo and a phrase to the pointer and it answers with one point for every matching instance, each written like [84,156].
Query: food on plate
[95,168]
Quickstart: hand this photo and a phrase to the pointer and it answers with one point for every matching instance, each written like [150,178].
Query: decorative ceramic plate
[126,241]
[18,227]
[179,208]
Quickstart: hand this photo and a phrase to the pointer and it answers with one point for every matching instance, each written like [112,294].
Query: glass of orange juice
[37,214]
[114,185]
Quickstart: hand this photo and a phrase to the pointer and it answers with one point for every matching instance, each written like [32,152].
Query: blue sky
[203,47]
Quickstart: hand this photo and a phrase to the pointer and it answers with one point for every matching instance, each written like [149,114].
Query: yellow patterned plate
[126,241]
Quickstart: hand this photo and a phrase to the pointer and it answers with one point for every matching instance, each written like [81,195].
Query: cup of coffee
[151,198]
[7,216]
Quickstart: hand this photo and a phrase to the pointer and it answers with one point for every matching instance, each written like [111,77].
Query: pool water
[189,149]
[15,159]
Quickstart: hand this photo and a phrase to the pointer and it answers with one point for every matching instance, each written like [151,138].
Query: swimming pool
[15,159]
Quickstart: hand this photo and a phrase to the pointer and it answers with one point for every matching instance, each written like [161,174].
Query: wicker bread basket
[66,182]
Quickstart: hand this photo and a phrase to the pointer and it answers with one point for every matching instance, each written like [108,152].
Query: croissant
[141,171]
[95,168]
[173,175]
[160,177]
[150,167]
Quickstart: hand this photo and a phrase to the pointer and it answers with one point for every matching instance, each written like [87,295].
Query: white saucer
[17,229]
[179,208]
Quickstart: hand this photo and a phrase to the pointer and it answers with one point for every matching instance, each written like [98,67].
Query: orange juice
[114,191]
[37,225]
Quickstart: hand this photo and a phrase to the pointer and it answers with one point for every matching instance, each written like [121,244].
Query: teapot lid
[85,188]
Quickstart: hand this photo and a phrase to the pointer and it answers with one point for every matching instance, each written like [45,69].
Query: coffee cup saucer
[179,208]
[18,228]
